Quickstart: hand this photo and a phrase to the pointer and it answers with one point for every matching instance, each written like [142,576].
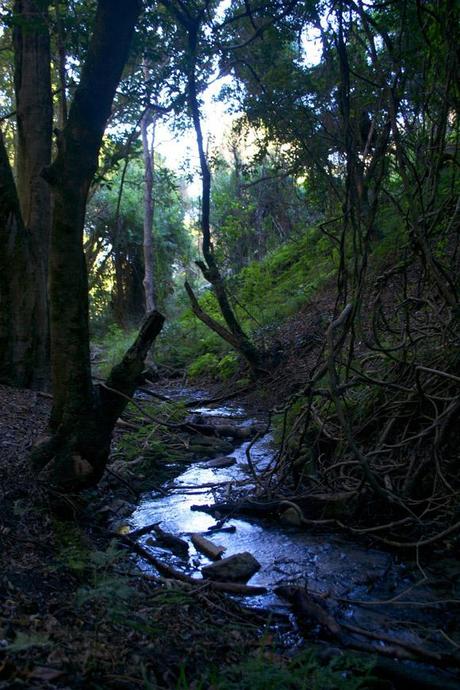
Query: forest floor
[76,613]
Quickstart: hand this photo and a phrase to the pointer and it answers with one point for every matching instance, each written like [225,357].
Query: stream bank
[77,612]
[327,586]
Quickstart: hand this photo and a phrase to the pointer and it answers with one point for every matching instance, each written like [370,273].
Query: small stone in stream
[220,463]
[237,568]
[121,508]
[291,516]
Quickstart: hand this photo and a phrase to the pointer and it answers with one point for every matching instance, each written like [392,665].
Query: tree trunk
[17,298]
[60,45]
[81,428]
[32,80]
[24,340]
[118,293]
[149,208]
[210,269]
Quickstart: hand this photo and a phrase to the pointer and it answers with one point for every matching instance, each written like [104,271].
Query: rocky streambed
[328,586]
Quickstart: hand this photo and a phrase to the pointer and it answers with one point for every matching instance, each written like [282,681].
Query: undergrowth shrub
[204,366]
[304,672]
[113,346]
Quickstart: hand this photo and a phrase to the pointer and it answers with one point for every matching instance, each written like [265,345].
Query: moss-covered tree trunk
[83,416]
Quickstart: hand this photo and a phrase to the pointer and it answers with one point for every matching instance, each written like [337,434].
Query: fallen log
[220,463]
[226,430]
[211,550]
[307,607]
[172,574]
[135,533]
[170,541]
[220,528]
[226,587]
[246,507]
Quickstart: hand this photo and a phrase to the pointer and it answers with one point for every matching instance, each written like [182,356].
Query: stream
[370,588]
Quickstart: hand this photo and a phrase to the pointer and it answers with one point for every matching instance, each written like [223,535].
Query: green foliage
[228,366]
[113,346]
[114,240]
[211,366]
[270,290]
[303,672]
[279,285]
[25,641]
[72,552]
[204,366]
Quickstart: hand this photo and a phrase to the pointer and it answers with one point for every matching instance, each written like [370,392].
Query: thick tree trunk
[78,448]
[60,44]
[24,235]
[32,80]
[149,209]
[17,298]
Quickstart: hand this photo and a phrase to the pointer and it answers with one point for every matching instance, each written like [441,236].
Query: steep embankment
[366,396]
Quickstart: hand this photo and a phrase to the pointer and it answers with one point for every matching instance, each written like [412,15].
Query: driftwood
[220,528]
[170,541]
[245,507]
[306,607]
[173,574]
[403,675]
[221,398]
[135,533]
[226,430]
[211,550]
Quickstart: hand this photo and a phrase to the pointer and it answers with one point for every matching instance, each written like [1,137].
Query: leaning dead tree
[83,416]
[231,330]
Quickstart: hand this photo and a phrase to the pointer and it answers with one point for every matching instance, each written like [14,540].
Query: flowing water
[344,569]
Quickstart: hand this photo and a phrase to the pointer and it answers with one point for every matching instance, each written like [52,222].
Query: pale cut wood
[206,546]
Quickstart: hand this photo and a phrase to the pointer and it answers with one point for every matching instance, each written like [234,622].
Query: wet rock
[207,446]
[220,463]
[237,568]
[291,516]
[121,508]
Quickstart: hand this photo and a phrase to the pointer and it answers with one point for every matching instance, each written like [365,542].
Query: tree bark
[24,348]
[191,23]
[81,428]
[148,120]
[17,299]
[210,269]
[60,44]
[32,80]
